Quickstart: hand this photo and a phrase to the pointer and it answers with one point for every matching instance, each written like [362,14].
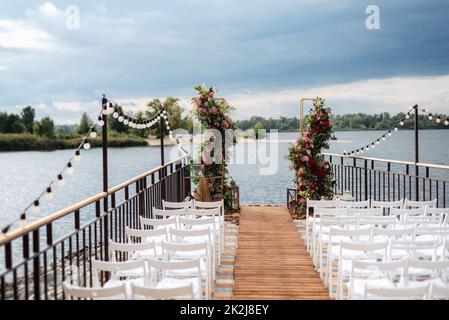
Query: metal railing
[388,180]
[39,257]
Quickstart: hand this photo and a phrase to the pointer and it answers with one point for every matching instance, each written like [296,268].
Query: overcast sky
[263,56]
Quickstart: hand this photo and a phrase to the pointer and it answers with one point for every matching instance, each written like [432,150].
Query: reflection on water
[26,174]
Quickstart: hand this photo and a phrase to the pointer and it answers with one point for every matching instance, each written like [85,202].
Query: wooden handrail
[63,212]
[419,164]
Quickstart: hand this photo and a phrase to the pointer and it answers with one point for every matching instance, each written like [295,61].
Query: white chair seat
[144,254]
[114,282]
[436,281]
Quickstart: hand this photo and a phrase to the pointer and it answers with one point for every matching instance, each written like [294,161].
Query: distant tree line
[356,121]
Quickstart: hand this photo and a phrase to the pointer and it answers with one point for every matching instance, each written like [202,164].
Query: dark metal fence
[36,264]
[389,180]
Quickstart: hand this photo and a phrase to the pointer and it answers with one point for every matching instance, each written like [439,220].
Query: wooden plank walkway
[272,262]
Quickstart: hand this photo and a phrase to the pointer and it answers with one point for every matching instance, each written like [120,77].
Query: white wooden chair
[356,250]
[366,212]
[117,292]
[387,205]
[146,223]
[427,272]
[316,204]
[385,234]
[356,204]
[400,249]
[131,251]
[167,205]
[401,213]
[139,235]
[214,205]
[426,220]
[375,274]
[183,292]
[168,213]
[192,236]
[419,293]
[409,204]
[165,279]
[374,221]
[134,270]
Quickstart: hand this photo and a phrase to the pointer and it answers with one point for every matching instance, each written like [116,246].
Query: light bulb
[115,115]
[93,134]
[36,207]
[383,138]
[100,121]
[158,118]
[70,169]
[23,220]
[396,129]
[86,145]
[367,148]
[389,133]
[377,142]
[401,123]
[105,111]
[407,116]
[77,155]
[168,128]
[446,122]
[61,181]
[430,116]
[438,120]
[126,121]
[148,124]
[171,132]
[49,194]
[120,119]
[373,146]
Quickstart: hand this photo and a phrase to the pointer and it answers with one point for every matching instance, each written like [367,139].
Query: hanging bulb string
[429,114]
[383,137]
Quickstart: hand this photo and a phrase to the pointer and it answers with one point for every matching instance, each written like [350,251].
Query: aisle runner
[224,285]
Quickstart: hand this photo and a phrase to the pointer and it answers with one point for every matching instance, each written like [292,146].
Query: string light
[438,120]
[100,121]
[49,194]
[446,122]
[93,133]
[36,207]
[70,169]
[61,181]
[86,144]
[77,155]
[23,220]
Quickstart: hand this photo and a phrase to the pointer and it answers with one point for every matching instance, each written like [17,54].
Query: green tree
[28,114]
[45,127]
[84,125]
[257,127]
[174,112]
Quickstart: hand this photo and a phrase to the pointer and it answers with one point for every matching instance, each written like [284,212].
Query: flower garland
[312,174]
[213,113]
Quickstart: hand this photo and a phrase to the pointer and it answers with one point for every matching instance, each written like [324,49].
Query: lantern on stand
[235,192]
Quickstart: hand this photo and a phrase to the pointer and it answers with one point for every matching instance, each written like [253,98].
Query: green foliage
[45,127]
[84,125]
[312,174]
[116,125]
[28,114]
[258,126]
[11,123]
[28,142]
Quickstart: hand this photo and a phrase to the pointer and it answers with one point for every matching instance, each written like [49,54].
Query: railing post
[163,170]
[366,179]
[105,178]
[36,266]
[416,127]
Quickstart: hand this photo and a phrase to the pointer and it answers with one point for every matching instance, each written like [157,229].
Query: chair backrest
[209,205]
[177,234]
[330,212]
[204,212]
[363,246]
[166,205]
[142,293]
[422,220]
[402,233]
[188,222]
[171,248]
[437,211]
[366,211]
[441,232]
[117,249]
[355,204]
[157,223]
[114,267]
[399,204]
[367,269]
[145,235]
[377,221]
[438,293]
[169,213]
[338,221]
[409,204]
[114,292]
[418,293]
[411,246]
[438,268]
[410,212]
[349,233]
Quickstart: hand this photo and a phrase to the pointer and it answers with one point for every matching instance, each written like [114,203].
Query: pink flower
[309,152]
[214,110]
[307,139]
[305,159]
[225,124]
[206,104]
[307,133]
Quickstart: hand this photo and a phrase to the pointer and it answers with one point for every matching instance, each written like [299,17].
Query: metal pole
[105,177]
[163,171]
[416,153]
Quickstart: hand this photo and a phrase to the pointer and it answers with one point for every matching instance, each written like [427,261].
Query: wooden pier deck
[272,262]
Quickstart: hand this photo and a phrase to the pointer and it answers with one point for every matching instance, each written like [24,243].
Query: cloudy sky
[262,55]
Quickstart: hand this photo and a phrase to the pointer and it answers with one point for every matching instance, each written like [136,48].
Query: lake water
[25,174]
